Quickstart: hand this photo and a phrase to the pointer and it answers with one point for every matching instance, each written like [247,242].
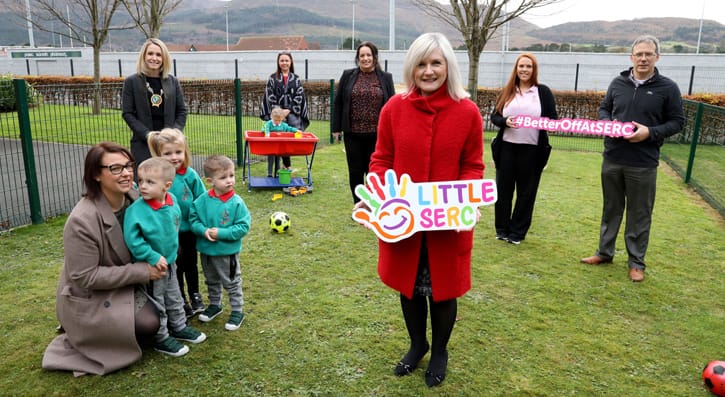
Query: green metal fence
[44,137]
[697,154]
[43,143]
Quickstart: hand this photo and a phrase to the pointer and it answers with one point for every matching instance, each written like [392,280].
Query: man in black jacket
[652,102]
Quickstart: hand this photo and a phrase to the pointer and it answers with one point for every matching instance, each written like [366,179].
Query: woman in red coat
[432,132]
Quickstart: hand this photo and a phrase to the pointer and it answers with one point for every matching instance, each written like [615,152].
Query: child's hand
[211,234]
[162,264]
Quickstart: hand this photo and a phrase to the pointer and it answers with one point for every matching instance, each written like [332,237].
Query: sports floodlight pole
[699,34]
[352,45]
[391,33]
[31,39]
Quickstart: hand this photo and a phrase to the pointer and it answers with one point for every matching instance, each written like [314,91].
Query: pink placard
[614,129]
[399,208]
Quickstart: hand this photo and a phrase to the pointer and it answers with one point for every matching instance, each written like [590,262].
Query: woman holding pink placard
[520,154]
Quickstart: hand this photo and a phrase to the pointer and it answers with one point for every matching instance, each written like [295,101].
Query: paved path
[59,168]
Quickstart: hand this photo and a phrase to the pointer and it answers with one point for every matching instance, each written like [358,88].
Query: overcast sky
[613,10]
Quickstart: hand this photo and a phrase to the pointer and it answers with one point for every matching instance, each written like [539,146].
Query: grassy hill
[329,22]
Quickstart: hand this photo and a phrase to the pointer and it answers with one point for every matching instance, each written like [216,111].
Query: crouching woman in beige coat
[100,302]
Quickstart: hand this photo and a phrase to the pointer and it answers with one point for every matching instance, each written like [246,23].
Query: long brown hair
[509,90]
[291,63]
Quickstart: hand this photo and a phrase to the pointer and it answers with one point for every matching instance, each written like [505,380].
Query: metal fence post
[332,107]
[306,69]
[174,67]
[120,71]
[72,71]
[26,142]
[695,138]
[238,119]
[576,78]
[692,78]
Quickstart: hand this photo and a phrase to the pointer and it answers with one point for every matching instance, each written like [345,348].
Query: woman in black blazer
[520,154]
[361,93]
[152,98]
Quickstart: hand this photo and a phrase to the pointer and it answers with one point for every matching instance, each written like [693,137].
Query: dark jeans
[516,170]
[358,149]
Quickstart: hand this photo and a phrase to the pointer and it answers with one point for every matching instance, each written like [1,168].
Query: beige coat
[95,299]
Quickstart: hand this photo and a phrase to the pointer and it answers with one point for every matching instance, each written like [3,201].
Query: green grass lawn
[320,323]
[708,170]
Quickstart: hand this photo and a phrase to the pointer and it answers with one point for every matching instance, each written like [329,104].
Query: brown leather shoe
[636,275]
[595,260]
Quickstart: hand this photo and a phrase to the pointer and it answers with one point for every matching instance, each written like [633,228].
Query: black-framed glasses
[116,169]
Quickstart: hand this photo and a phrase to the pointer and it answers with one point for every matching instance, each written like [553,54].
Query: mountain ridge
[329,22]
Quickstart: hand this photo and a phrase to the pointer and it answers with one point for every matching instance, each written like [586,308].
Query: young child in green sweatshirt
[220,219]
[150,230]
[170,144]
[276,124]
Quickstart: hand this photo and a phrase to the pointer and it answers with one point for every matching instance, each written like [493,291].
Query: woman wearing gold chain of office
[152,98]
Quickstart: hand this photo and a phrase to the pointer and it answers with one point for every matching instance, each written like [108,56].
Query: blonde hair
[157,139]
[421,48]
[141,67]
[216,163]
[168,173]
[277,112]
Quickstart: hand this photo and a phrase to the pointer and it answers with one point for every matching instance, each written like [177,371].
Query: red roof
[252,43]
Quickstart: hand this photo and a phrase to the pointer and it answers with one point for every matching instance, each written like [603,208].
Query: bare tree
[148,15]
[477,21]
[85,21]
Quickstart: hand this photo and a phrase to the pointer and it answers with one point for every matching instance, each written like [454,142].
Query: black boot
[443,317]
[415,313]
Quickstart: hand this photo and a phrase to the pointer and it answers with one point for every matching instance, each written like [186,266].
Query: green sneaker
[210,313]
[235,320]
[189,334]
[172,347]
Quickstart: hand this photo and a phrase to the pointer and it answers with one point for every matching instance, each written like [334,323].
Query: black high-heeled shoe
[406,368]
[434,379]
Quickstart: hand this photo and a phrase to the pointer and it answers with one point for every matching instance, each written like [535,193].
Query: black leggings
[443,318]
[186,264]
[358,150]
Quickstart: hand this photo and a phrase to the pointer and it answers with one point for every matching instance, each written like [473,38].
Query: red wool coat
[431,138]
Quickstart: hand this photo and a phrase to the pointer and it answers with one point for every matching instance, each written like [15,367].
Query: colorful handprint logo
[395,210]
[389,213]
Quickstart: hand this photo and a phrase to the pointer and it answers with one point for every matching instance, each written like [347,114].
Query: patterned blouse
[366,100]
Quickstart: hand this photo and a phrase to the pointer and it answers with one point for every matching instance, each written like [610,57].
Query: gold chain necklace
[156,99]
